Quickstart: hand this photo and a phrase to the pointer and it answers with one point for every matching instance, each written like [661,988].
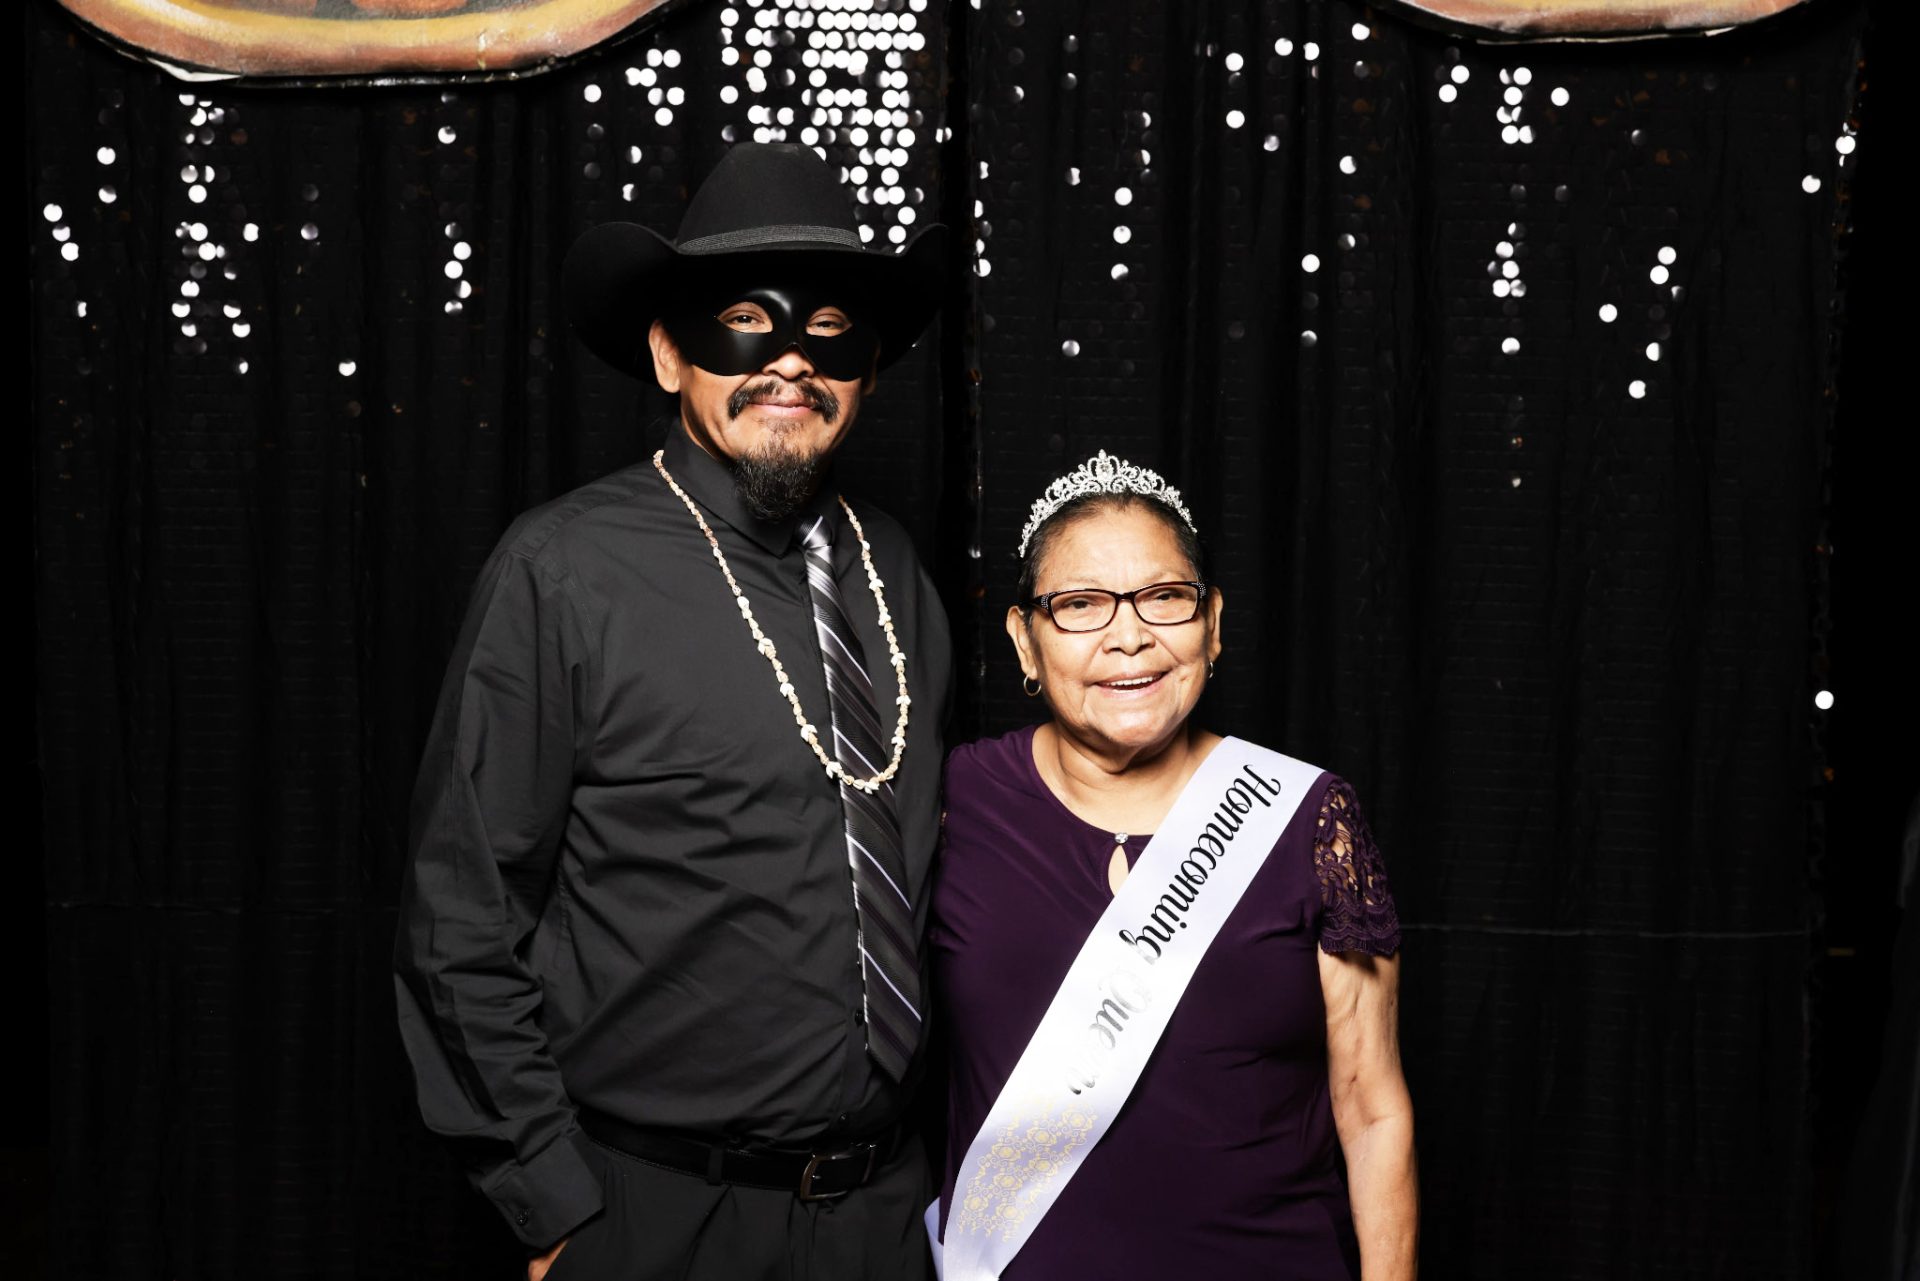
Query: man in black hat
[659,964]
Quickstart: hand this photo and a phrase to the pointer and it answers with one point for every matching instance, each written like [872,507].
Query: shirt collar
[711,484]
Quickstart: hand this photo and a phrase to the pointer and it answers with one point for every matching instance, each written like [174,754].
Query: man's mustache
[817,398]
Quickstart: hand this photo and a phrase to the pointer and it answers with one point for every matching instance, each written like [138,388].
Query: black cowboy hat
[763,200]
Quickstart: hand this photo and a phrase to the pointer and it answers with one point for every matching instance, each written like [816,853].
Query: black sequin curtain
[298,361]
[1497,377]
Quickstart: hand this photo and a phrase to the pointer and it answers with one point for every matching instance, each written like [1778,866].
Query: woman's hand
[1372,1110]
[538,1265]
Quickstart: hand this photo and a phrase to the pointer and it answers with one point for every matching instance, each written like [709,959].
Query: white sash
[1114,1003]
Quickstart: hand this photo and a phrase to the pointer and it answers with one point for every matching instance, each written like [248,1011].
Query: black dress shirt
[629,887]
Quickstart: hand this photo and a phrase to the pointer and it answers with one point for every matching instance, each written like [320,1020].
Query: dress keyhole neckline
[1117,867]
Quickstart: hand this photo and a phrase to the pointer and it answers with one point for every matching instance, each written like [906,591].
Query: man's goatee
[776,484]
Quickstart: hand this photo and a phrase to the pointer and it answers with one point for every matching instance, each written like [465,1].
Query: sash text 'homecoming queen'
[1123,990]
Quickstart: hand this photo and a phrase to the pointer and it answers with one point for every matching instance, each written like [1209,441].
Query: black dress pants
[660,1225]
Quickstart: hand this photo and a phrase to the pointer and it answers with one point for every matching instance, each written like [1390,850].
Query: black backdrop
[1509,434]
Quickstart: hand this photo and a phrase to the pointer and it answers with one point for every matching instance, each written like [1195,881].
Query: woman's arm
[1372,1110]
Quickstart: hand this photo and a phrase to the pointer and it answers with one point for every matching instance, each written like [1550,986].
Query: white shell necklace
[764,644]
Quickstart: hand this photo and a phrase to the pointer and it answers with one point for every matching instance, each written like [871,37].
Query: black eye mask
[720,349]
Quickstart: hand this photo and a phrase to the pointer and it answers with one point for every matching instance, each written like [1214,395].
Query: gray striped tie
[889,959]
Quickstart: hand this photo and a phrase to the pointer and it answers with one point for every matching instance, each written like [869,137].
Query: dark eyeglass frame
[1044,603]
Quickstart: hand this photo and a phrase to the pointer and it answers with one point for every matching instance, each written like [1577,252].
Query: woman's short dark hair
[1094,504]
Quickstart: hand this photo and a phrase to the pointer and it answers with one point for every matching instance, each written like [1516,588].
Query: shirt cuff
[549,1196]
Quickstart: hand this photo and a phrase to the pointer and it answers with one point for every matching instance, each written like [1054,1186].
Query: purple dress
[1224,1163]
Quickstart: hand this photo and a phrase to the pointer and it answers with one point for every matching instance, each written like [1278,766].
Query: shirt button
[521,1218]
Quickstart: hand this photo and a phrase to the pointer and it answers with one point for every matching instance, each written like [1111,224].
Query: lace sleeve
[1358,913]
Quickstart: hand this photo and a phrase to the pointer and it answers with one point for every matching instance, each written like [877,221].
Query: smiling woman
[1121,664]
[1284,990]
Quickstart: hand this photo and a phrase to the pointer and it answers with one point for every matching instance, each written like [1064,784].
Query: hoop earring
[1209,669]
[1030,687]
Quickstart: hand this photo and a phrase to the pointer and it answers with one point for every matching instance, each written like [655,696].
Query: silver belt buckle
[805,1191]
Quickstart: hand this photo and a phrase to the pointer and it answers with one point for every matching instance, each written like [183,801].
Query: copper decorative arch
[1596,19]
[361,40]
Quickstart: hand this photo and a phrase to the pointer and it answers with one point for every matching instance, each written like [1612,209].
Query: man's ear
[666,358]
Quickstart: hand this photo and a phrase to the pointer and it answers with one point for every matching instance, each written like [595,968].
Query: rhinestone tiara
[1101,474]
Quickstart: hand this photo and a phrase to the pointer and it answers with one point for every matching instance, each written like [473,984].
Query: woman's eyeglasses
[1088,609]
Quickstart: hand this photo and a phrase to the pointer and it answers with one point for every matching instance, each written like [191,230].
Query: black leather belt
[810,1176]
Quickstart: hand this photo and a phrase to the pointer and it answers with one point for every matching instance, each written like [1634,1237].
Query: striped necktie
[889,959]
